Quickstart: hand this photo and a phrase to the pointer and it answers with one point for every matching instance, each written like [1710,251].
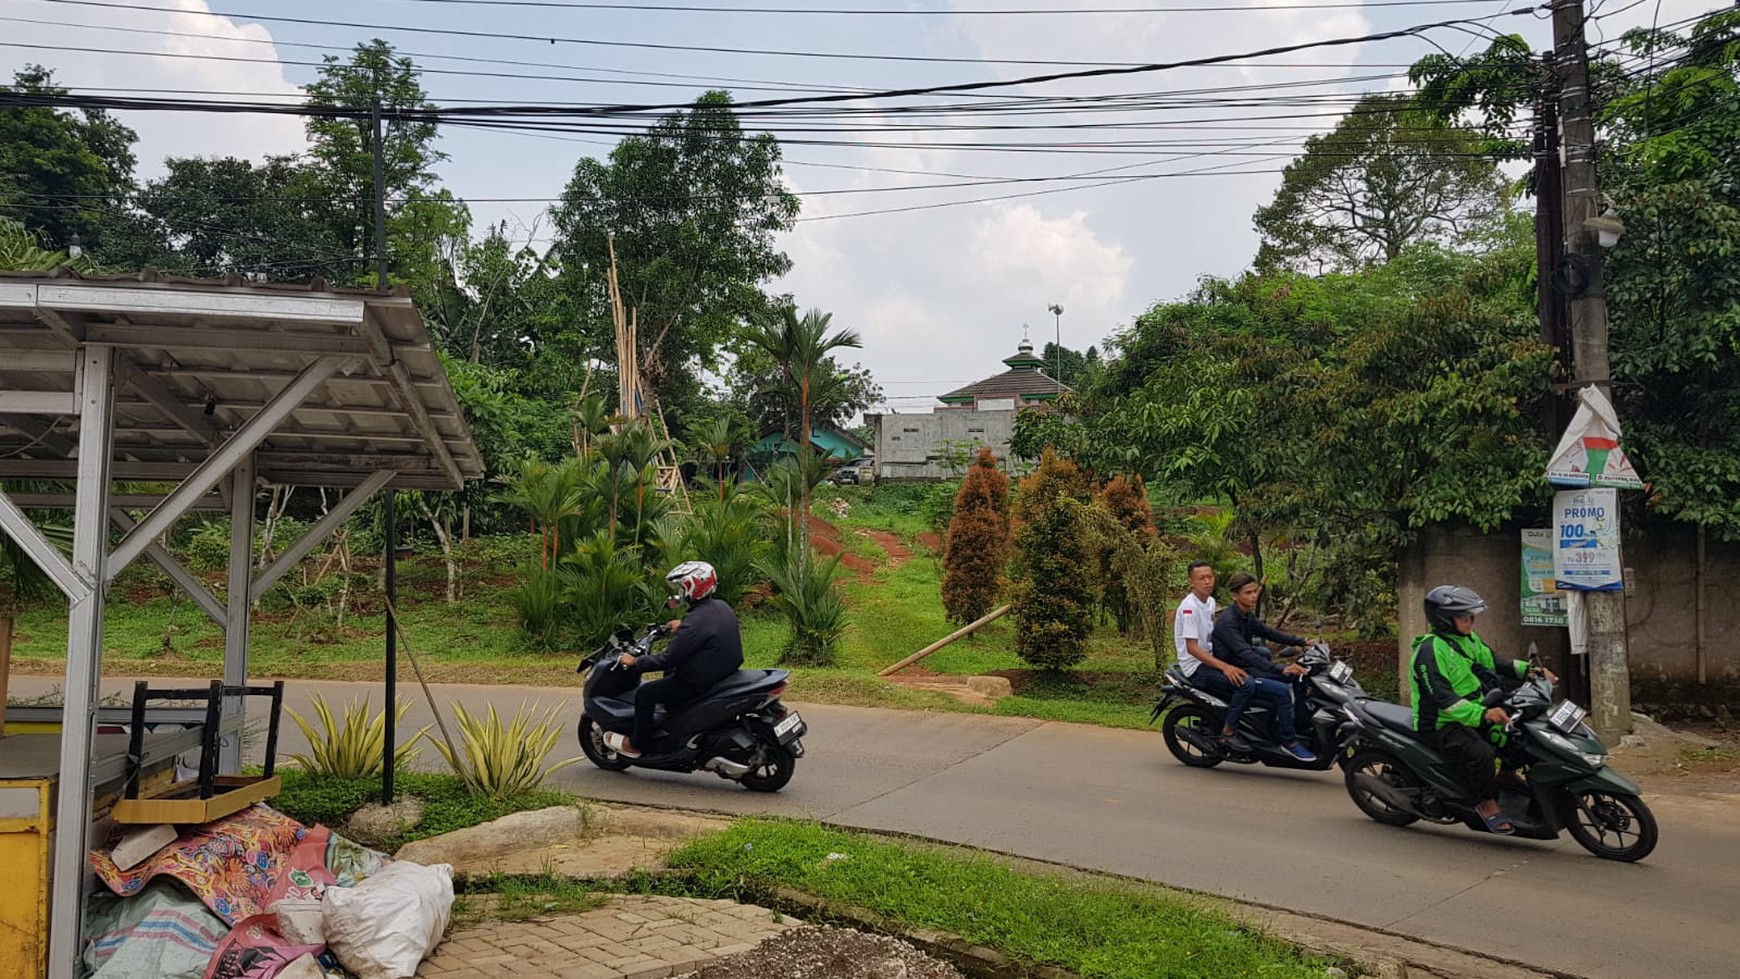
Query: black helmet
[1445,602]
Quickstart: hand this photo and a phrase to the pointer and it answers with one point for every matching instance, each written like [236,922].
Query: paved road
[1114,800]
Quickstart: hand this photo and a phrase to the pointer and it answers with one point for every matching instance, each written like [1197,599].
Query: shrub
[977,545]
[605,588]
[1145,568]
[538,600]
[1054,592]
[1126,500]
[937,506]
[729,533]
[804,590]
[498,761]
[352,749]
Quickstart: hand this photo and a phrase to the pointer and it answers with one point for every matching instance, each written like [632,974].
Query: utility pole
[392,555]
[1057,344]
[1609,661]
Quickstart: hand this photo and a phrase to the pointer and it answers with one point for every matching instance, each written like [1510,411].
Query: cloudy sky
[942,281]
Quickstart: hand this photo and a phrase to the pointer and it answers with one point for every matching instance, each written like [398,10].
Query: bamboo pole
[970,627]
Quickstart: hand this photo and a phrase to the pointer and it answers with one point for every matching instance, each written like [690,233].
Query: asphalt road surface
[1114,800]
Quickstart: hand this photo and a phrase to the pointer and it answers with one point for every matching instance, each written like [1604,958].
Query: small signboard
[1589,454]
[1542,601]
[1586,540]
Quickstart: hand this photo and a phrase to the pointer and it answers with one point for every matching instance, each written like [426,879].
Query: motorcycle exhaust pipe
[1392,796]
[725,767]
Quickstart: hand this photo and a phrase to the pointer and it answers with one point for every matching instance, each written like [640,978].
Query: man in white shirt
[1191,629]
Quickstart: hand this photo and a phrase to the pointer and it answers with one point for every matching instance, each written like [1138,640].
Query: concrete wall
[1660,608]
[911,447]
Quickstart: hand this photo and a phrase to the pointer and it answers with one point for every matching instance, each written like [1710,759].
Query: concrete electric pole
[1609,662]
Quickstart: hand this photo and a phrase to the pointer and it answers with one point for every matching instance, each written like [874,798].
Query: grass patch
[447,806]
[1092,926]
[522,898]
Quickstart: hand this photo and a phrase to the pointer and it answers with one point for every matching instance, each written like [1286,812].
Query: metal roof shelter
[217,387]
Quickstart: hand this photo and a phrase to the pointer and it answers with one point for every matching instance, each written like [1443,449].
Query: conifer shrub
[976,547]
[1054,592]
[1126,499]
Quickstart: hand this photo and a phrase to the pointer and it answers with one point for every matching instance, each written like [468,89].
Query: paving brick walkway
[631,937]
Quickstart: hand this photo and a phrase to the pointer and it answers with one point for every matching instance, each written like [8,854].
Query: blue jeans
[1278,693]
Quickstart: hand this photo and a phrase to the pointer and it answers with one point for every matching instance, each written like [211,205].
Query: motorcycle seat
[1393,716]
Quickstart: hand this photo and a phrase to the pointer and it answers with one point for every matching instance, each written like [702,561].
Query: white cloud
[164,134]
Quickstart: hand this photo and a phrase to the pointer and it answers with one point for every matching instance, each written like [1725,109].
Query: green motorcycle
[1397,779]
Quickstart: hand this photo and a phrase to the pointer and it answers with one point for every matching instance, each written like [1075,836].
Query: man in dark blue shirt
[706,646]
[1238,639]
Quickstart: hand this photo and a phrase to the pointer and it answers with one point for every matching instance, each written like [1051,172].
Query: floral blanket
[237,865]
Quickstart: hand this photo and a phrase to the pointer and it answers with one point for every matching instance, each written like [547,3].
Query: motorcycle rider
[1238,639]
[1192,633]
[1452,669]
[706,647]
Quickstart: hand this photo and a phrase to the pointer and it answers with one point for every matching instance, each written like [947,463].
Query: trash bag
[385,926]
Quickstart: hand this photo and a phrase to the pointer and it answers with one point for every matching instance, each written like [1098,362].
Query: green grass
[1097,927]
[522,898]
[447,806]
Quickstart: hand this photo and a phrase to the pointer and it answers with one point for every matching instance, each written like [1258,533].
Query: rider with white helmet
[706,646]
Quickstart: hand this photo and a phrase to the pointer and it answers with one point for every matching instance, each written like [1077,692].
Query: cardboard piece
[140,844]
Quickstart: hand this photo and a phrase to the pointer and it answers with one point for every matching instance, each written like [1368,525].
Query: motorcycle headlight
[1595,761]
[1564,744]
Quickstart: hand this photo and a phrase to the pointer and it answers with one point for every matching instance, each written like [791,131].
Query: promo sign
[1586,540]
[1542,601]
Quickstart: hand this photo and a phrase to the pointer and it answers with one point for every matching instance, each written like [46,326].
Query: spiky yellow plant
[352,749]
[498,760]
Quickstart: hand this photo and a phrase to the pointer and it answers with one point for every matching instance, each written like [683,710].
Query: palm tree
[717,443]
[592,418]
[801,345]
[550,495]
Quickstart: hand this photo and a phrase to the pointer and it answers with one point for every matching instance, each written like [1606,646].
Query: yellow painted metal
[24,853]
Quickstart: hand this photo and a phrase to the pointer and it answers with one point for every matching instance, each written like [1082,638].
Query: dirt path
[898,553]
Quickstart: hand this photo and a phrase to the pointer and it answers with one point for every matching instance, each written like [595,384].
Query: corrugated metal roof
[1020,382]
[200,356]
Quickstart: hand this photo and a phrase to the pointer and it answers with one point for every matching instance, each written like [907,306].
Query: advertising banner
[1542,601]
[1586,538]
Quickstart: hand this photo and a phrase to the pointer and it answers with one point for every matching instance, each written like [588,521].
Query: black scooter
[738,729]
[1397,779]
[1195,717]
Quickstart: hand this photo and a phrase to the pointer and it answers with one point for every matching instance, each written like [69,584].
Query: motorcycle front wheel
[1384,767]
[596,751]
[1197,721]
[1613,827]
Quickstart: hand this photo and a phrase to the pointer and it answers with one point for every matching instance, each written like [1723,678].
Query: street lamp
[1057,312]
[74,248]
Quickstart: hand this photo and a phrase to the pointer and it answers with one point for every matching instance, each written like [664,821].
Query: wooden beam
[213,303]
[69,333]
[413,402]
[47,361]
[993,616]
[319,532]
[128,501]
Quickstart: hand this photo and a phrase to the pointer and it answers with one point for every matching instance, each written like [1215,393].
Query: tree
[1388,176]
[423,223]
[229,215]
[1125,499]
[695,206]
[1053,593]
[801,347]
[976,547]
[62,173]
[839,392]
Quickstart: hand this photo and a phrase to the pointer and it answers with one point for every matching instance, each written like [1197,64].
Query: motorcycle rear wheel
[1196,719]
[1598,817]
[776,769]
[596,751]
[1385,767]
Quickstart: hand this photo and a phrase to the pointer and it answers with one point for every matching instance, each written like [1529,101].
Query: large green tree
[224,214]
[63,173]
[695,206]
[1388,176]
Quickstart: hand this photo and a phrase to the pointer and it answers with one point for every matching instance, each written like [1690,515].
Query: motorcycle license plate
[791,722]
[1567,716]
[1340,671]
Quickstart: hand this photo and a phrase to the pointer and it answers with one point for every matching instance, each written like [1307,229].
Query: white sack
[385,926]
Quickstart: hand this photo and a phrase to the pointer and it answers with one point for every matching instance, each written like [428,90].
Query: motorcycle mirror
[673,602]
[1493,698]
[1534,653]
[625,635]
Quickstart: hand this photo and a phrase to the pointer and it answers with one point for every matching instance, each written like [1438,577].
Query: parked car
[854,472]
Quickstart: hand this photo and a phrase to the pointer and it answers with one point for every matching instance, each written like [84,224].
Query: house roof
[197,358]
[1025,378]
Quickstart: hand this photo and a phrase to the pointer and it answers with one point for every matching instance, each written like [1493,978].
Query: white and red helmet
[693,580]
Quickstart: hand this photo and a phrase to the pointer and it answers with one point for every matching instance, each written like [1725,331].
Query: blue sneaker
[1299,751]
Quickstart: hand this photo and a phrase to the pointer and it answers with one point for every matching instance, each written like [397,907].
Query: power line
[923,12]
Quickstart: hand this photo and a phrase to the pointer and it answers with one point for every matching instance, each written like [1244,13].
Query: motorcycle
[738,729]
[1397,779]
[1194,717]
